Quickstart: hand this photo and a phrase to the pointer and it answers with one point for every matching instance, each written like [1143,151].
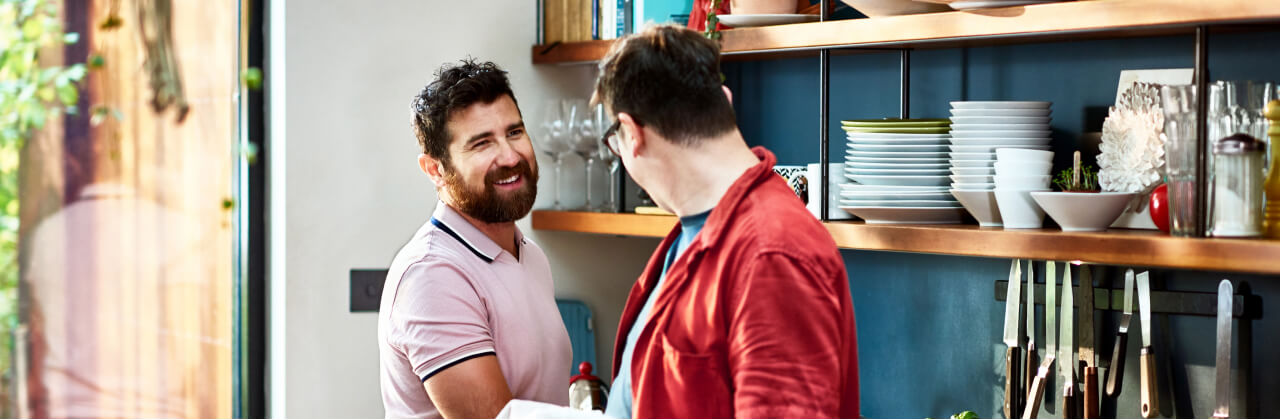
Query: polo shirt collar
[451,222]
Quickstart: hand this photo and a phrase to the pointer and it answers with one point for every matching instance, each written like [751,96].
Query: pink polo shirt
[451,295]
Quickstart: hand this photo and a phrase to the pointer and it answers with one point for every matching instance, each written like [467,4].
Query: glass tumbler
[1180,125]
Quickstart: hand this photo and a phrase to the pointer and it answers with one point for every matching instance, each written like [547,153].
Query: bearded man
[468,319]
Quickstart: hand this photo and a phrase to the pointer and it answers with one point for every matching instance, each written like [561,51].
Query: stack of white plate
[978,128]
[988,4]
[898,172]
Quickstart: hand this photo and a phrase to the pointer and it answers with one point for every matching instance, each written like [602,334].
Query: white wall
[353,193]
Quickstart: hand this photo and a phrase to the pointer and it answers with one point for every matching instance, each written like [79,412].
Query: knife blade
[1222,383]
[1012,336]
[1147,362]
[1090,374]
[1066,347]
[1036,394]
[1115,371]
[1032,357]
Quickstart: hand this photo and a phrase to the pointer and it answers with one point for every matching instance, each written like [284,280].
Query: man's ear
[433,167]
[634,134]
[727,94]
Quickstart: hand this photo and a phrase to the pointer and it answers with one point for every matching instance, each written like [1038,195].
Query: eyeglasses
[609,138]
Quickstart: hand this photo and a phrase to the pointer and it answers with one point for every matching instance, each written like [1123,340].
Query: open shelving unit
[1075,20]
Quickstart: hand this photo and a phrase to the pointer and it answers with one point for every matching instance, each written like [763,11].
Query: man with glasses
[468,319]
[744,310]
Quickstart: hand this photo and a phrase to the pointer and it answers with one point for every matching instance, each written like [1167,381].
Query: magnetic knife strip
[1243,306]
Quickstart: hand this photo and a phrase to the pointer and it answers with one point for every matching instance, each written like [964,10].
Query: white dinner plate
[999,127]
[972,156]
[875,165]
[743,21]
[861,140]
[914,161]
[895,195]
[1002,142]
[883,171]
[1005,134]
[992,148]
[908,215]
[988,4]
[1001,104]
[973,171]
[999,120]
[931,180]
[860,154]
[861,135]
[899,203]
[1000,112]
[890,188]
[899,147]
[958,163]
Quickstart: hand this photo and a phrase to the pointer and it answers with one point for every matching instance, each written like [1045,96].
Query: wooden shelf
[1115,247]
[1056,21]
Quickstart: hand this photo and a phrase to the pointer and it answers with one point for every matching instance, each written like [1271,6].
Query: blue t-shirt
[619,405]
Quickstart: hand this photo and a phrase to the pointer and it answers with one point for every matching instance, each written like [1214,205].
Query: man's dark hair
[454,89]
[667,77]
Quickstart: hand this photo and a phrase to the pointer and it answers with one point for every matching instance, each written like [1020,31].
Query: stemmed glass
[555,129]
[586,142]
[611,161]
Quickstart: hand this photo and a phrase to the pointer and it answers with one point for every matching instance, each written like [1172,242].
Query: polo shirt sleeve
[785,342]
[439,318]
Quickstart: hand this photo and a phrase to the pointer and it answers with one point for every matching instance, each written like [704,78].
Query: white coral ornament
[1132,158]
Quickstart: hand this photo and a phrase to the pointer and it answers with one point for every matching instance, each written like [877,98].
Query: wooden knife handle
[1090,410]
[1069,410]
[1033,398]
[1033,363]
[1115,374]
[1011,379]
[1150,402]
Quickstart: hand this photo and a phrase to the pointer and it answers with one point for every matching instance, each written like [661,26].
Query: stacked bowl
[978,128]
[897,172]
[1018,173]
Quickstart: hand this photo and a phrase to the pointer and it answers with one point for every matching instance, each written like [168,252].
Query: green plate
[896,123]
[901,130]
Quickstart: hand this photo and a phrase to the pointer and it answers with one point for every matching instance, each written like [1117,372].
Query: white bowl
[1082,212]
[972,163]
[973,187]
[877,8]
[1018,210]
[1007,154]
[1022,167]
[971,179]
[973,171]
[1022,182]
[981,204]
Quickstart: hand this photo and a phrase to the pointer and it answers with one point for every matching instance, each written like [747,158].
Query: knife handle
[1115,374]
[1150,402]
[1011,379]
[1033,398]
[1090,392]
[1069,410]
[1032,364]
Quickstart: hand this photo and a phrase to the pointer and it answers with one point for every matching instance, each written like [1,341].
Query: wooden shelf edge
[1115,247]
[1067,20]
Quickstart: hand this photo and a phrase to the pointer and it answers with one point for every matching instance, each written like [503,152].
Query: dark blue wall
[929,327]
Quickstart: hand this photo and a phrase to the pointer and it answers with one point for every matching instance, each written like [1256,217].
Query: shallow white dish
[988,4]
[981,204]
[991,149]
[861,154]
[881,160]
[1003,134]
[863,140]
[949,202]
[1018,210]
[891,188]
[971,179]
[908,215]
[972,156]
[895,195]
[899,147]
[1001,104]
[973,171]
[930,180]
[1000,112]
[868,165]
[998,120]
[877,8]
[1001,142]
[1082,212]
[960,163]
[863,135]
[883,171]
[998,127]
[973,187]
[743,21]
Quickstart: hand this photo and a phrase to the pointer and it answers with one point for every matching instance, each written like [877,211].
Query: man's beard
[486,204]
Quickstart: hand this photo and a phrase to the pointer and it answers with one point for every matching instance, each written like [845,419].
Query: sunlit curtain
[126,244]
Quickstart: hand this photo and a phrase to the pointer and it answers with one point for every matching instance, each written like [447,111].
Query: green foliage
[29,96]
[252,78]
[712,30]
[1088,179]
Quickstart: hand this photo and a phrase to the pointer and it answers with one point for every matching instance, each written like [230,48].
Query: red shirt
[754,319]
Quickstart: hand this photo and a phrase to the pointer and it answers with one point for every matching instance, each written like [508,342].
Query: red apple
[1160,207]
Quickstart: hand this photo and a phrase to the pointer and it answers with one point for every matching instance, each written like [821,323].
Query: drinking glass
[609,161]
[1180,125]
[575,196]
[554,130]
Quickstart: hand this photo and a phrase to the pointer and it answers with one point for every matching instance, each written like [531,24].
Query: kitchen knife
[1147,358]
[1115,372]
[1011,337]
[1222,383]
[1090,374]
[1036,394]
[1066,348]
[1032,357]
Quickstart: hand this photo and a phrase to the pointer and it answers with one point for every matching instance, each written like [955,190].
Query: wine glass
[586,130]
[611,161]
[554,128]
